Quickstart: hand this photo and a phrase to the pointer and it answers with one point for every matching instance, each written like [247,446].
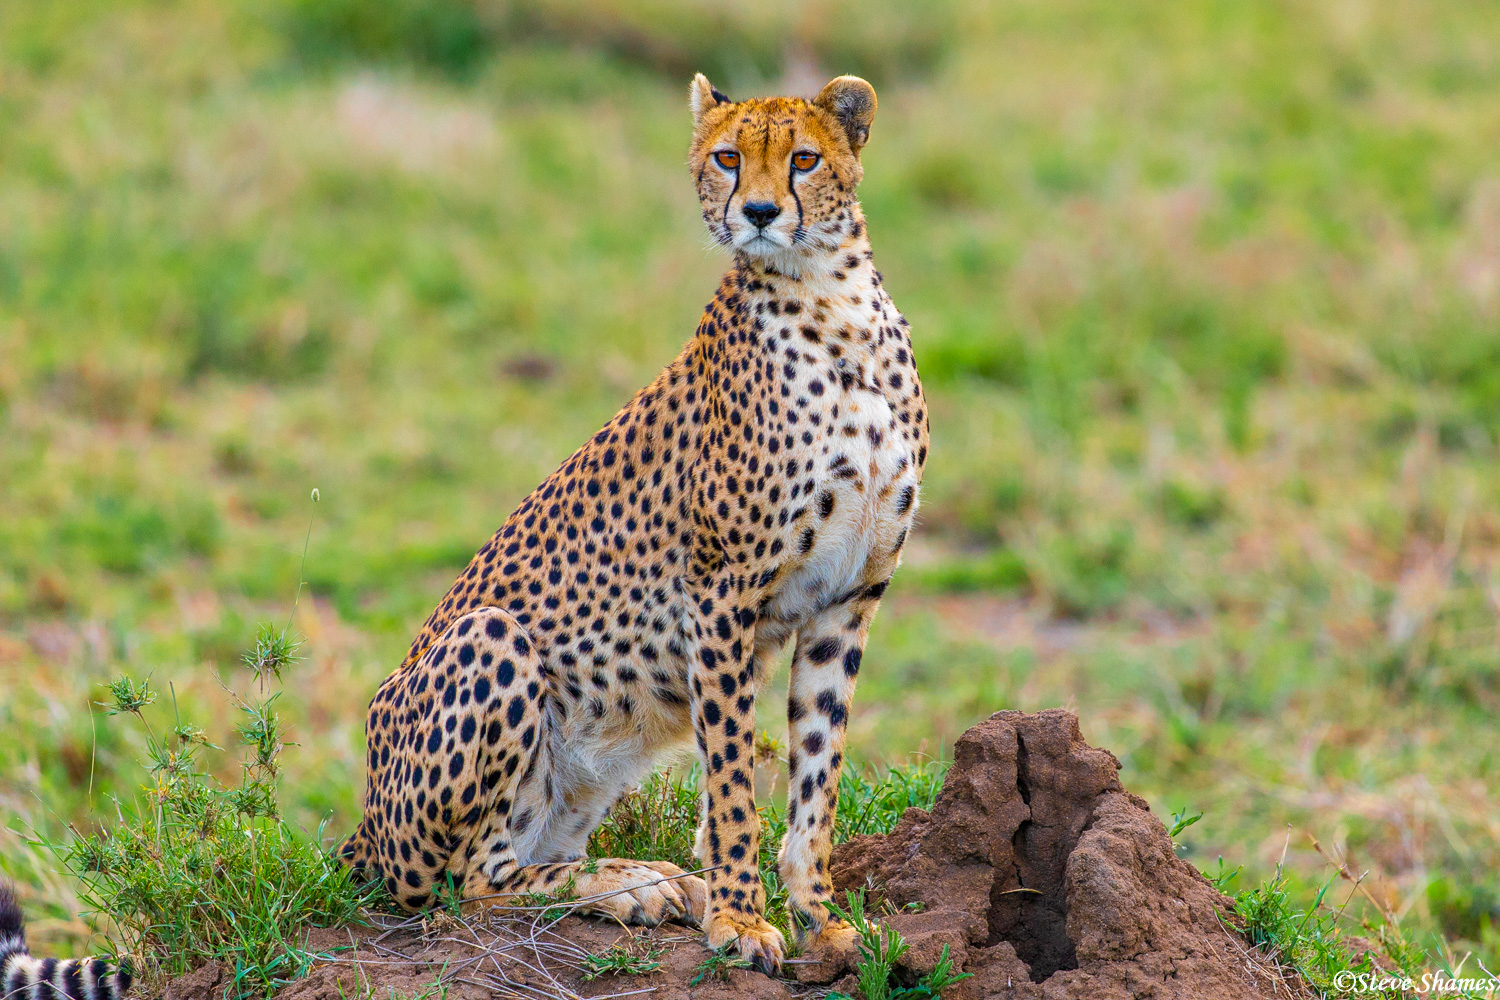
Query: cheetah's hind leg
[460,788]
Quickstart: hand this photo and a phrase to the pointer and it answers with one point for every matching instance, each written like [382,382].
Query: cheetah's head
[776,176]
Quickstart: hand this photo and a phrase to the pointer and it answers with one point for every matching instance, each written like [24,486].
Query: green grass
[196,871]
[1204,294]
[1323,945]
[659,819]
[635,959]
[880,948]
[718,964]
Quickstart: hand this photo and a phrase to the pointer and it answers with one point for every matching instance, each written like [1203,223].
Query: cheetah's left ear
[702,96]
[852,101]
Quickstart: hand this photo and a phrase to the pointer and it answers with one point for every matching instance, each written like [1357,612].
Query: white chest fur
[844,431]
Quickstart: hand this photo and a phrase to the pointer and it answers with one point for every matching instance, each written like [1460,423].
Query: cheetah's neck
[834,312]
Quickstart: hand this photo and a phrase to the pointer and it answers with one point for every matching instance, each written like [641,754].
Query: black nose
[761,213]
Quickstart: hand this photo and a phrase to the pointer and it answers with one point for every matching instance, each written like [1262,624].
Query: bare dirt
[1043,876]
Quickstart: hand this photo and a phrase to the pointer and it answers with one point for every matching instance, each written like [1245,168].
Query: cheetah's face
[776,176]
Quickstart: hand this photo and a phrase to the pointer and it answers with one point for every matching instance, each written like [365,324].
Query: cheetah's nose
[761,213]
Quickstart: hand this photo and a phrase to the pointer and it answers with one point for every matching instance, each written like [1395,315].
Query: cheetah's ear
[852,102]
[702,96]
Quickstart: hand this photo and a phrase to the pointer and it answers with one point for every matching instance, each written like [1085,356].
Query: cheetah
[759,491]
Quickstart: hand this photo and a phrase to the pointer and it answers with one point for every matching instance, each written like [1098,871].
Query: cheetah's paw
[748,935]
[835,947]
[642,892]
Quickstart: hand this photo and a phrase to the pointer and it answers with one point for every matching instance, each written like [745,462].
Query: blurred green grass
[1205,295]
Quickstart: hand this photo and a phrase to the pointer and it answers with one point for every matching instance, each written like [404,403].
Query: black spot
[824,650]
[851,661]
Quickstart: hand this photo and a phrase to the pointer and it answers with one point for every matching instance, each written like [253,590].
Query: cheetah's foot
[835,947]
[642,892]
[748,935]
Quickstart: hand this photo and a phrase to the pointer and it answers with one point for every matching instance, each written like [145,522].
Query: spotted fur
[26,977]
[759,491]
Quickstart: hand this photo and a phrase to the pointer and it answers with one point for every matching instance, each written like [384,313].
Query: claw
[750,936]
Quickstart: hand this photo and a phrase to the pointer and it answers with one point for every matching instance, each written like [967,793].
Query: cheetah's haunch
[758,491]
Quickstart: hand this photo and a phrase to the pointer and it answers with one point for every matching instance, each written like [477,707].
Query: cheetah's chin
[762,245]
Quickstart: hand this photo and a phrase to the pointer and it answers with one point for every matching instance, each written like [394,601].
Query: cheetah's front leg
[824,667]
[724,680]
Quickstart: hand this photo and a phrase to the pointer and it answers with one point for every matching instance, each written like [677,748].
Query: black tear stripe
[798,234]
[728,236]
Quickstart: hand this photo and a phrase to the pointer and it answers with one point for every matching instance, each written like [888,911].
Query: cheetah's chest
[859,501]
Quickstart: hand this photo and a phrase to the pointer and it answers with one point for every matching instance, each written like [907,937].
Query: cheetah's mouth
[762,242]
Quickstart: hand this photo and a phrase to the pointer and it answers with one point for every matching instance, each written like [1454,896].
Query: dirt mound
[1045,878]
[1042,875]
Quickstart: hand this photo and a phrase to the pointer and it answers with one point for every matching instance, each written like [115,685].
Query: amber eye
[728,159]
[804,160]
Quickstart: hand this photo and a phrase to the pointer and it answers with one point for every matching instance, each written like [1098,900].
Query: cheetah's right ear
[702,96]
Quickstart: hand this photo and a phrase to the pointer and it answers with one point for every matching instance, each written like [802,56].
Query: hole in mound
[1029,907]
[1033,916]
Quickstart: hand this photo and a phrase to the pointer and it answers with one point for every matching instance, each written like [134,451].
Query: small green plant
[554,905]
[197,870]
[449,897]
[1190,506]
[940,978]
[880,948]
[622,960]
[718,964]
[1181,821]
[1222,876]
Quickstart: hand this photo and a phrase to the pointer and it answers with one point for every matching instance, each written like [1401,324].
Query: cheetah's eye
[804,160]
[728,159]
